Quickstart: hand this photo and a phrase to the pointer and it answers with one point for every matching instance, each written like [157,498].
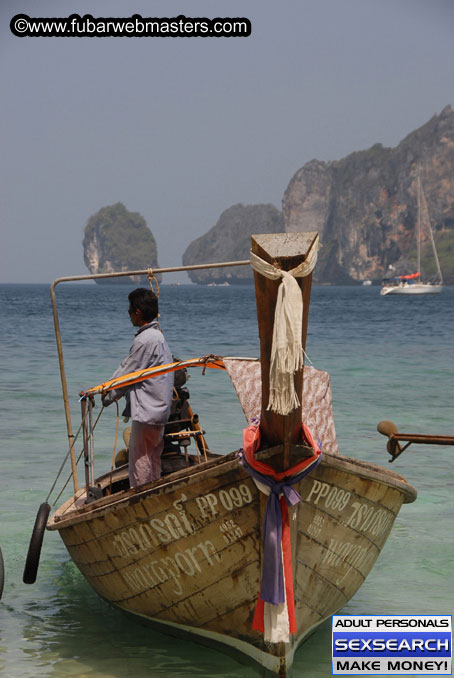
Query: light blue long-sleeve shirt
[150,400]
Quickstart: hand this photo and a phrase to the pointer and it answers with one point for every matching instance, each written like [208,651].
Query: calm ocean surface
[389,358]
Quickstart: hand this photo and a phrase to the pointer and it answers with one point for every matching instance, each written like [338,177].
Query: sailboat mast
[434,249]
[418,238]
[420,286]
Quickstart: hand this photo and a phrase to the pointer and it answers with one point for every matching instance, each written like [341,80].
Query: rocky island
[365,205]
[230,240]
[118,240]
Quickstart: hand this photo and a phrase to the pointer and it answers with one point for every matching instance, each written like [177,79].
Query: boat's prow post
[284,251]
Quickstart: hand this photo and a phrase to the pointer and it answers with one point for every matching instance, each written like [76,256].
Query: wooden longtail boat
[187,551]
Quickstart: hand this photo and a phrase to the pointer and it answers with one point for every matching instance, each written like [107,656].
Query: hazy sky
[179,129]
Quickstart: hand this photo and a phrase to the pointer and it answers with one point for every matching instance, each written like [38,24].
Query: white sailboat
[413,282]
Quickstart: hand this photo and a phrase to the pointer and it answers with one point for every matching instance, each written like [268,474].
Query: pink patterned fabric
[317,412]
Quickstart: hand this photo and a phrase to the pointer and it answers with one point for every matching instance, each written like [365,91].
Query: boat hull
[186,554]
[416,288]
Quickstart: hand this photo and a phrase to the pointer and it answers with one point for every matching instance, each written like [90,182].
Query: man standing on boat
[149,401]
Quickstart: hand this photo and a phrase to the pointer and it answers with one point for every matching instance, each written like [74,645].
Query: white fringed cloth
[287,354]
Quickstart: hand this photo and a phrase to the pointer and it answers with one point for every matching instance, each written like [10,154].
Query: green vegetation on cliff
[444,243]
[118,240]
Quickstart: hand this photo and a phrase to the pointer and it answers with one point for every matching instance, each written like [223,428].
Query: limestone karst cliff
[365,205]
[118,240]
[230,240]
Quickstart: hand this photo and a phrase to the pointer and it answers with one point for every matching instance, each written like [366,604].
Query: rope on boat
[287,353]
[152,278]
[66,458]
[117,421]
[206,361]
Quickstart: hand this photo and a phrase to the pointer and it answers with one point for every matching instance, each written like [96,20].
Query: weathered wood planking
[190,554]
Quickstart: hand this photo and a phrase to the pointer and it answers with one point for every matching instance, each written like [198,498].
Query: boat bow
[186,551]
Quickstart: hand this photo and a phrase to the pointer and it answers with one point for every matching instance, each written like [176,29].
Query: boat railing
[182,428]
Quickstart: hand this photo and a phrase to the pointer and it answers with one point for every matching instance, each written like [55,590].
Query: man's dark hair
[145,301]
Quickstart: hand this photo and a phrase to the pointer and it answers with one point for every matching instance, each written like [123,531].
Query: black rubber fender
[2,573]
[36,541]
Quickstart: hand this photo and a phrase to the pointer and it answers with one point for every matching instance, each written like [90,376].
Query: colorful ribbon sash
[276,586]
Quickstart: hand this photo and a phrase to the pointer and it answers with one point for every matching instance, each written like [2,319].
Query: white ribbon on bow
[287,354]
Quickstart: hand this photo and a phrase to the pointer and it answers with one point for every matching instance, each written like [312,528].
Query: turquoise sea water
[389,358]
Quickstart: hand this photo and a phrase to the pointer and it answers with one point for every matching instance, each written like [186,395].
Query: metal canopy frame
[122,274]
